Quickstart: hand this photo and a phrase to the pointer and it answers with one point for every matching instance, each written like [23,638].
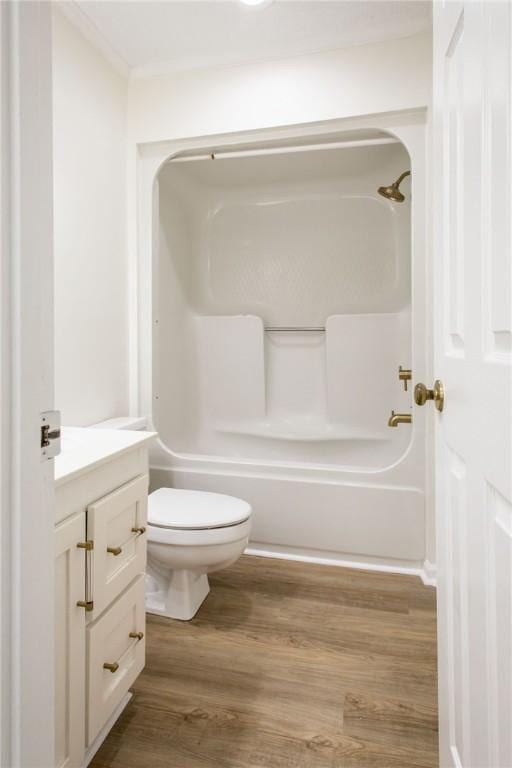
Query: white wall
[381,77]
[91,280]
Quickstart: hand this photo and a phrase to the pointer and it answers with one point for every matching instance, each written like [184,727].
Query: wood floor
[288,665]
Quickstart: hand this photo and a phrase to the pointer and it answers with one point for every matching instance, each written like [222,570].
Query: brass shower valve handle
[405,375]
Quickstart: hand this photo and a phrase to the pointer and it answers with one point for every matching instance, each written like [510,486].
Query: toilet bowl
[190,534]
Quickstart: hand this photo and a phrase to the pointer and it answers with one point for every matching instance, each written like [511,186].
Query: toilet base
[183,597]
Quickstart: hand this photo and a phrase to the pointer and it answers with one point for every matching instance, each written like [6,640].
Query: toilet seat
[176,509]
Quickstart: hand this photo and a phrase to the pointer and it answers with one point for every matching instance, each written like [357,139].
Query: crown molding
[171,68]
[73,12]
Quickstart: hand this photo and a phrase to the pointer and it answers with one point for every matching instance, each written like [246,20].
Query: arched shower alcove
[284,293]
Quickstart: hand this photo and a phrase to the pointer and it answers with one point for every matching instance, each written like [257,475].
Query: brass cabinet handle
[87,545]
[422,394]
[117,550]
[115,666]
[88,605]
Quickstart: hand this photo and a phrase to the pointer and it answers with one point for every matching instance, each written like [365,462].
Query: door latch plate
[50,434]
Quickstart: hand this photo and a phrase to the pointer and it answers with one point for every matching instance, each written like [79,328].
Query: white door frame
[26,387]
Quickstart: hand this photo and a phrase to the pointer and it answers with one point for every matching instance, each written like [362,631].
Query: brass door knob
[422,394]
[111,667]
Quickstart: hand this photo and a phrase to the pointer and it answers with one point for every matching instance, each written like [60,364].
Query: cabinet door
[116,524]
[69,643]
[115,655]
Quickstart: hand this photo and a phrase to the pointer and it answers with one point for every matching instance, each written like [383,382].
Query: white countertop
[83,448]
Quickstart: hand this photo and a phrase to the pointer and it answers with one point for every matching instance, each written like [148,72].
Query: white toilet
[190,534]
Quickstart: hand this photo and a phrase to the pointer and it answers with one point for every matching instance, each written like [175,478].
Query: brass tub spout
[399,418]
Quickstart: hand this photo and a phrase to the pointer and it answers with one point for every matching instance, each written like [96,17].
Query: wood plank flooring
[288,665]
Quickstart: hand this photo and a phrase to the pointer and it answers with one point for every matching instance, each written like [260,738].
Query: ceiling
[148,37]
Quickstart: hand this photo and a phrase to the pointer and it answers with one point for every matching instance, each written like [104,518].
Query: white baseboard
[429,574]
[102,735]
[343,561]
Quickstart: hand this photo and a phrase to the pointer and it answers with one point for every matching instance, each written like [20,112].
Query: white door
[473,357]
[26,386]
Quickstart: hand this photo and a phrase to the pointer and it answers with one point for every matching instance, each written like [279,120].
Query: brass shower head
[393,192]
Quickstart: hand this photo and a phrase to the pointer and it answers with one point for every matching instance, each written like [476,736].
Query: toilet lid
[195,510]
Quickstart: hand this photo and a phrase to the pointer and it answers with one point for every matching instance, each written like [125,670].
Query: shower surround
[280,306]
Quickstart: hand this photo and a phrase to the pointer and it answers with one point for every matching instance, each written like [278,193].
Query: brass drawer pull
[87,604]
[117,550]
[115,666]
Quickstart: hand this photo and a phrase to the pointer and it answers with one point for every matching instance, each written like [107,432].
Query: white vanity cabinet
[100,558]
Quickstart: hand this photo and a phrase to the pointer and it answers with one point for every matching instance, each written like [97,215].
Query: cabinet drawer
[116,524]
[114,639]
